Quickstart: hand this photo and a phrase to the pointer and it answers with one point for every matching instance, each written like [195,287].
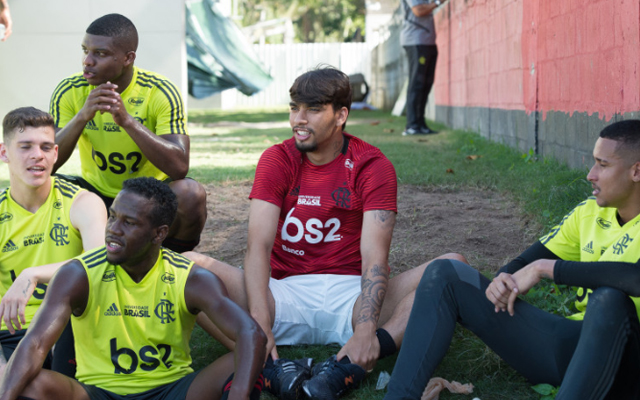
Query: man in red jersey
[323,208]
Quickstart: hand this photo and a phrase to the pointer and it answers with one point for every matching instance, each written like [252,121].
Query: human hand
[101,99]
[5,19]
[15,301]
[118,111]
[500,291]
[363,348]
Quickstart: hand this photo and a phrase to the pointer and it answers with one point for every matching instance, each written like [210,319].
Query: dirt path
[484,226]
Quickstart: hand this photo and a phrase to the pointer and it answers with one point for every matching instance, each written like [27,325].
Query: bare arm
[424,9]
[100,100]
[377,229]
[89,216]
[5,19]
[205,292]
[68,293]
[263,223]
[169,153]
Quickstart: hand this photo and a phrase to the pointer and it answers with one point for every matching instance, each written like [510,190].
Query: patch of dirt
[484,226]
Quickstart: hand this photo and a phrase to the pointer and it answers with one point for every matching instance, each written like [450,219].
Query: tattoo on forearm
[374,288]
[24,291]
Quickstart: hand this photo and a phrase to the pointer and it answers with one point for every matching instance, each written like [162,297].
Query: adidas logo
[91,126]
[9,246]
[588,248]
[112,311]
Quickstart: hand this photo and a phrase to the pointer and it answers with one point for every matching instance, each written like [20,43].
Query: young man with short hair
[44,222]
[594,354]
[133,305]
[322,214]
[127,122]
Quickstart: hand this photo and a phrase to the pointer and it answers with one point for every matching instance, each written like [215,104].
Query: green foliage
[313,20]
[546,391]
[557,299]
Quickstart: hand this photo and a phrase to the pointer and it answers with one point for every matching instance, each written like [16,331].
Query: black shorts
[80,181]
[9,343]
[176,390]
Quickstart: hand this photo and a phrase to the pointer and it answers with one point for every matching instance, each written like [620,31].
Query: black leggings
[596,358]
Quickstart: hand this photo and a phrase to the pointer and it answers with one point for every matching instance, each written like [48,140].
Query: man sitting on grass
[322,213]
[594,354]
[133,305]
[44,222]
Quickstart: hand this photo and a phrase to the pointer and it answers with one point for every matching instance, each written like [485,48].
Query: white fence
[285,62]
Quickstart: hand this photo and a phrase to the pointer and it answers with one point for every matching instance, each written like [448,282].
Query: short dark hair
[323,85]
[118,27]
[627,134]
[20,118]
[166,202]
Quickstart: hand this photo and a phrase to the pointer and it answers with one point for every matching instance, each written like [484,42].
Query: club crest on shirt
[342,197]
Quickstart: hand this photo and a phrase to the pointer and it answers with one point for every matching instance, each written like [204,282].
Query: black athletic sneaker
[283,378]
[331,379]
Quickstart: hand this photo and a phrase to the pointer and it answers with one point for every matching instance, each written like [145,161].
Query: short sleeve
[564,238]
[376,183]
[274,175]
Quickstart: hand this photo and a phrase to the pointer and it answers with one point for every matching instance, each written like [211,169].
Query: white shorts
[314,309]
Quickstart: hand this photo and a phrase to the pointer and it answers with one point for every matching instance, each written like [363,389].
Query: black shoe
[331,379]
[427,131]
[283,378]
[412,131]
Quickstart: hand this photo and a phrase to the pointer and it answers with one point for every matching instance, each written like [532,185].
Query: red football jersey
[322,206]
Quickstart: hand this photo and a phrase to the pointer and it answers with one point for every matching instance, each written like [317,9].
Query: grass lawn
[228,152]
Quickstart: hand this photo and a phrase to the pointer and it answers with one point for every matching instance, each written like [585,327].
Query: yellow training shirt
[108,155]
[592,233]
[34,239]
[133,337]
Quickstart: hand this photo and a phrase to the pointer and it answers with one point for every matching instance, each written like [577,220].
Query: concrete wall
[45,45]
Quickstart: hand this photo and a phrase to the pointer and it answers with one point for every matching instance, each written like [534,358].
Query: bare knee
[191,194]
[454,256]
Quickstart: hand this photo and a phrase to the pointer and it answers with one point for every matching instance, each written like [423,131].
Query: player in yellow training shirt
[44,222]
[133,305]
[127,122]
[594,354]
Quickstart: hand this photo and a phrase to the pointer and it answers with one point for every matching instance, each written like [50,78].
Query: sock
[257,388]
[345,360]
[387,345]
[255,392]
[226,387]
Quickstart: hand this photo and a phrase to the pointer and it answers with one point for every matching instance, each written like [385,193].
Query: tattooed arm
[377,228]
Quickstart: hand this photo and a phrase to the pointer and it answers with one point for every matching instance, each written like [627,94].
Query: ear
[342,113]
[3,153]
[129,58]
[161,233]
[635,172]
